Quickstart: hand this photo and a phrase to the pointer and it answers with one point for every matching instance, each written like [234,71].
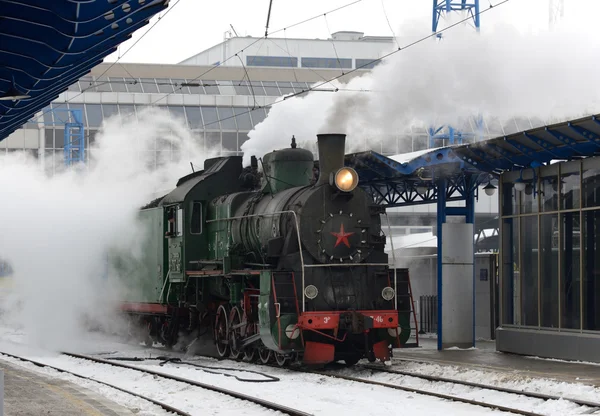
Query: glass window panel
[102,84]
[366,63]
[74,87]
[86,84]
[570,185]
[326,63]
[271,88]
[257,88]
[109,110]
[226,87]
[548,269]
[177,112]
[211,87]
[241,88]
[510,198]
[211,118]
[570,271]
[242,138]
[118,84]
[91,136]
[286,88]
[280,61]
[194,117]
[591,185]
[528,274]
[179,89]
[59,138]
[47,115]
[529,202]
[149,85]
[164,85]
[213,141]
[49,137]
[257,115]
[133,85]
[242,115]
[510,271]
[195,87]
[300,86]
[94,114]
[230,141]
[127,110]
[549,187]
[72,106]
[227,118]
[591,270]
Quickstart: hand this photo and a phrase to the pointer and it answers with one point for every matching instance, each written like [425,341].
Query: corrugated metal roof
[45,46]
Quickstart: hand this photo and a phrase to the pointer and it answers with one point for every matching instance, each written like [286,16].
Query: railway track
[530,394]
[261,402]
[588,406]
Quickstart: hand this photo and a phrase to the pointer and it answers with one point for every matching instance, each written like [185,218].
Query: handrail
[394,260]
[297,235]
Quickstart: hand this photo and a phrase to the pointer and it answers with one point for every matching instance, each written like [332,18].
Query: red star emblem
[342,237]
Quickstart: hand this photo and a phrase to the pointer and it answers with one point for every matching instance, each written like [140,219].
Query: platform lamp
[489,189]
[13,94]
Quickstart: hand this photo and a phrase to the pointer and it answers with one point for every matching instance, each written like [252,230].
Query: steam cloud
[56,231]
[498,74]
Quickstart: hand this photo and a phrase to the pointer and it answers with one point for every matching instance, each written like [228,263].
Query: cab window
[196,223]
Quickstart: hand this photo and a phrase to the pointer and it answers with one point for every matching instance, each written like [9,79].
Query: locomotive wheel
[235,318]
[281,359]
[352,360]
[251,352]
[222,332]
[265,355]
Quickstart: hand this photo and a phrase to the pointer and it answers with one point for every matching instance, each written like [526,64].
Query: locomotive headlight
[388,293]
[346,179]
[311,291]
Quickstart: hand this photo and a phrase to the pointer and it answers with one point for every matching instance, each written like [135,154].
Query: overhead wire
[260,39]
[420,40]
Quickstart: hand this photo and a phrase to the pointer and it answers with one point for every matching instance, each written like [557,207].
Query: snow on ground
[512,380]
[193,400]
[315,394]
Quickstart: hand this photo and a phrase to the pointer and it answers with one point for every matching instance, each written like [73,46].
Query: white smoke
[498,74]
[56,231]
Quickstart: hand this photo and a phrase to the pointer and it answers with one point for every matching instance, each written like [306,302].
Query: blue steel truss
[46,45]
[441,7]
[72,120]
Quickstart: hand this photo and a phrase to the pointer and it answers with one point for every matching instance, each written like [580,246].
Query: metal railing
[428,306]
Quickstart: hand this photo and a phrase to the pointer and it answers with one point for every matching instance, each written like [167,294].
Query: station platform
[485,357]
[30,394]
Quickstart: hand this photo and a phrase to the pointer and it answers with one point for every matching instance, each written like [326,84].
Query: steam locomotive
[281,263]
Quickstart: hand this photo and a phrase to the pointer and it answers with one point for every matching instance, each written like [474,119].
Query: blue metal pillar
[74,149]
[470,186]
[441,219]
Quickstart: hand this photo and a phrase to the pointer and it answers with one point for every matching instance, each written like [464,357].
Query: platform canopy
[535,147]
[410,178]
[47,45]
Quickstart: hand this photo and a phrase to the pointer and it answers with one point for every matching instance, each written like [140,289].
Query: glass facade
[550,255]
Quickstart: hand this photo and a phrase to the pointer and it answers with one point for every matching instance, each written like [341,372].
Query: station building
[550,261]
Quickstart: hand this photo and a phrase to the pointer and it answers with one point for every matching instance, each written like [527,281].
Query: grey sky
[193,25]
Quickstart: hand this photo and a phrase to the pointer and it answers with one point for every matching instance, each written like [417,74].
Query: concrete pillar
[457,296]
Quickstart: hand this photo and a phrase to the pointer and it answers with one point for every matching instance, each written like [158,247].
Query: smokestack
[331,155]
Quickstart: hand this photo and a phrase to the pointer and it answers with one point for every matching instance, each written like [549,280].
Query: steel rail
[480,385]
[429,393]
[164,406]
[264,403]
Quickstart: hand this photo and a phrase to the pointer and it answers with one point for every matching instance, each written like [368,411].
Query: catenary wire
[420,40]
